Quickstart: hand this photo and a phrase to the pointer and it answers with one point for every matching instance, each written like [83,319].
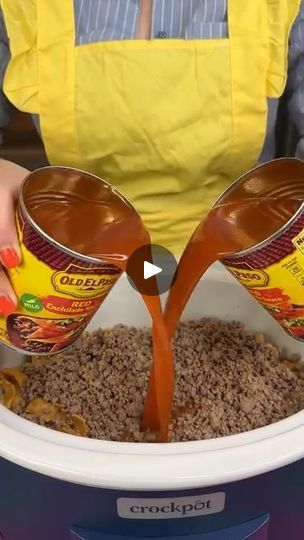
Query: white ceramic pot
[161,467]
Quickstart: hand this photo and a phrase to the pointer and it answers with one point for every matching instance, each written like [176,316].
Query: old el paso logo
[173,508]
[83,285]
[250,278]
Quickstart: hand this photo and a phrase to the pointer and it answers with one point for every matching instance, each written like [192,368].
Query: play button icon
[151,269]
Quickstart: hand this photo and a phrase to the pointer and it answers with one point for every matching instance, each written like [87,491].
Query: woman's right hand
[11,177]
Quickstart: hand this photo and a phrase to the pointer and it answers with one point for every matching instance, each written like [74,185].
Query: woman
[170,100]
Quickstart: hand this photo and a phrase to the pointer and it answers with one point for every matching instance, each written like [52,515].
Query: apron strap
[21,76]
[268,23]
[248,37]
[57,84]
[281,16]
[258,30]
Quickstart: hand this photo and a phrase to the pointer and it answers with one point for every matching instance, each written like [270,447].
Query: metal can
[59,290]
[273,270]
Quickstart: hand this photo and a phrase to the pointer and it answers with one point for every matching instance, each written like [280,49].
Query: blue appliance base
[36,507]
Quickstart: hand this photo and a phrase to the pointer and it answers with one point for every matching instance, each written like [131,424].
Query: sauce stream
[103,226]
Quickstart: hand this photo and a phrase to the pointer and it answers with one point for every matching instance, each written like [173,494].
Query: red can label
[58,295]
[274,274]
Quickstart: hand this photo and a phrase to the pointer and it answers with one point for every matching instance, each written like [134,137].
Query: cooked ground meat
[227,381]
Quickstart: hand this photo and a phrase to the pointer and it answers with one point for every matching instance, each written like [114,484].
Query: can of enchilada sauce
[272,270]
[256,229]
[75,231]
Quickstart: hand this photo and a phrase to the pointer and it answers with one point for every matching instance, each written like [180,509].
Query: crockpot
[56,486]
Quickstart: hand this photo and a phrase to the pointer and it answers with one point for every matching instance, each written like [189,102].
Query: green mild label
[31,303]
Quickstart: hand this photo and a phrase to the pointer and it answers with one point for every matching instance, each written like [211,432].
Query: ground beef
[227,381]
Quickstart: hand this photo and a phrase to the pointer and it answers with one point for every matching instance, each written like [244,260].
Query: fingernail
[9,257]
[7,305]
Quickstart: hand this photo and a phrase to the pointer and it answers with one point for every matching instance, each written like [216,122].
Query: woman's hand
[11,177]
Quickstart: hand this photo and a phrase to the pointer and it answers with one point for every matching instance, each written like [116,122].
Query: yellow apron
[169,122]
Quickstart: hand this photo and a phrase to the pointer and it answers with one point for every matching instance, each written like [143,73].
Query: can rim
[39,230]
[274,236]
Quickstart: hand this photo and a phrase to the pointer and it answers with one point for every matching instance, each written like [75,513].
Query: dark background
[22,143]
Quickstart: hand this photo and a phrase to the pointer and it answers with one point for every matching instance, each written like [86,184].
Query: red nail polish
[9,257]
[7,306]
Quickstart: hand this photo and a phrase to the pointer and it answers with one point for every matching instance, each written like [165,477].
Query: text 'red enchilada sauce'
[256,229]
[77,234]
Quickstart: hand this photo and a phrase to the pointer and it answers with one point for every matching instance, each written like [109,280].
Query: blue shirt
[106,20]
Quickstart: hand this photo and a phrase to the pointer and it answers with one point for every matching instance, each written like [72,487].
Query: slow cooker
[56,486]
